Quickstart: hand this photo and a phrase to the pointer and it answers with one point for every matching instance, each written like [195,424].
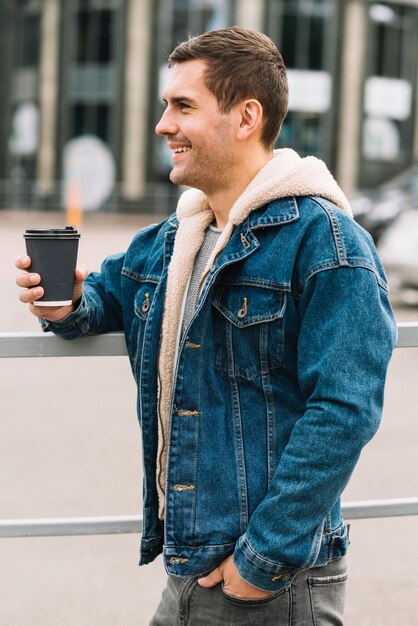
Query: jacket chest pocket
[142,306]
[249,329]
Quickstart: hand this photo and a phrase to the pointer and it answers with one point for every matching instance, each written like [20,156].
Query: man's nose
[166,125]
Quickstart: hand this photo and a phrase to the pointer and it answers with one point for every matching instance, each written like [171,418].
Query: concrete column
[415,146]
[7,34]
[351,111]
[136,81]
[48,93]
[249,14]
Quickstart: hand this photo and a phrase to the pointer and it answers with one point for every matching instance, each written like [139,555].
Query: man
[259,331]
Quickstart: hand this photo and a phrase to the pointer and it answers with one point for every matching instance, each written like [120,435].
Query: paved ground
[69,446]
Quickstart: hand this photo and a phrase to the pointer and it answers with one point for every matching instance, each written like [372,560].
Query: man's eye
[183,105]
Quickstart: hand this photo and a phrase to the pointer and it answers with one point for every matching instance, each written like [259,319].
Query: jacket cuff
[75,321]
[260,572]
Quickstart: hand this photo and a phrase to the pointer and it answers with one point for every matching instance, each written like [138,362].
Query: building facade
[93,69]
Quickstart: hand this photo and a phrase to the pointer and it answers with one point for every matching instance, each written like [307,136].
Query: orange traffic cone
[74,207]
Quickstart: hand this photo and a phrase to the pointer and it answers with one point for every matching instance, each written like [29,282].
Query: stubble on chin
[179,180]
[182,177]
[210,178]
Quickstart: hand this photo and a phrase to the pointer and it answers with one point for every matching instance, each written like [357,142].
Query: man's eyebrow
[178,99]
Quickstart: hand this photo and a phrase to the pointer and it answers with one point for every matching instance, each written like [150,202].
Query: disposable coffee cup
[53,252]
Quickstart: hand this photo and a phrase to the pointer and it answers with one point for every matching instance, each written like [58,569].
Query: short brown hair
[241,64]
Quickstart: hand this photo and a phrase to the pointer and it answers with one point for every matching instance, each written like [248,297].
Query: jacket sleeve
[100,308]
[346,337]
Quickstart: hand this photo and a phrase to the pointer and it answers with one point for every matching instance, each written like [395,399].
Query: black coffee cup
[53,252]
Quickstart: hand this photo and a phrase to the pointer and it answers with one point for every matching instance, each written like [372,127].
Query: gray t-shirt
[209,242]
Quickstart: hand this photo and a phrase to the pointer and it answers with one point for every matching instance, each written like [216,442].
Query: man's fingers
[23,262]
[28,280]
[212,579]
[32,291]
[31,295]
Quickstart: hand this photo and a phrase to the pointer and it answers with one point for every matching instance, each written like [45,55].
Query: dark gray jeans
[315,598]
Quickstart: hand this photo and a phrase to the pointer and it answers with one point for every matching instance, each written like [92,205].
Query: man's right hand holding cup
[33,291]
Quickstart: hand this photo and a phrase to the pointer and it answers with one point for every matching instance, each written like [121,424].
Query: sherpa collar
[285,175]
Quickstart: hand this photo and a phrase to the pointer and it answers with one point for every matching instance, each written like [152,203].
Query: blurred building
[76,68]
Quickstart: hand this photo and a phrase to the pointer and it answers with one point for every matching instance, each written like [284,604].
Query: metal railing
[31,195]
[29,345]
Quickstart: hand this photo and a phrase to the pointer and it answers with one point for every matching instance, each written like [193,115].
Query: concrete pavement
[70,446]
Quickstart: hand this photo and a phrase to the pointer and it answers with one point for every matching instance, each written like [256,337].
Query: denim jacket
[278,385]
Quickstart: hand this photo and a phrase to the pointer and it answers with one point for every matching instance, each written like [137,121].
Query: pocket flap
[245,305]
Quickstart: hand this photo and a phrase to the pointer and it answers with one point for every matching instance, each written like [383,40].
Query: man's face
[200,137]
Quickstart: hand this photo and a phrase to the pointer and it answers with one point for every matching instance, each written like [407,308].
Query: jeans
[315,598]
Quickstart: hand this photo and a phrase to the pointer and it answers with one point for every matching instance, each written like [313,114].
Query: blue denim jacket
[278,386]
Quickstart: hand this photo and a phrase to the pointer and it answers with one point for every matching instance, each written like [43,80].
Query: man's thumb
[81,274]
[212,579]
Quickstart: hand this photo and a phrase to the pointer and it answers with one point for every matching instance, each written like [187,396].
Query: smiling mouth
[182,149]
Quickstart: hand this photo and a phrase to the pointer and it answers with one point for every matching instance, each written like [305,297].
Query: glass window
[95,40]
[90,119]
[390,79]
[306,34]
[92,55]
[27,34]
[301,131]
[390,29]
[302,32]
[288,45]
[316,42]
[196,16]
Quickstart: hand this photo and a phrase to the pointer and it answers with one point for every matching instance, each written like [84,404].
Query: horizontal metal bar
[61,527]
[407,335]
[113,344]
[366,509]
[18,345]
[66,526]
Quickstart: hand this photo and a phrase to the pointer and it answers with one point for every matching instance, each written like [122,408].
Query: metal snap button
[180,488]
[244,309]
[245,241]
[146,304]
[177,560]
[284,577]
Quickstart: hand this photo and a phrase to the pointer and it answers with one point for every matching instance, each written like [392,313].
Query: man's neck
[222,201]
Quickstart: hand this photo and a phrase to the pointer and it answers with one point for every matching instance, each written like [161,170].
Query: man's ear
[251,118]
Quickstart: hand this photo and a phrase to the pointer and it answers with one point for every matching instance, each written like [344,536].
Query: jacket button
[146,303]
[212,268]
[244,309]
[177,560]
[180,488]
[281,577]
[245,241]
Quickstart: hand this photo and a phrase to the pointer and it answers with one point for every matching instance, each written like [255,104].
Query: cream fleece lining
[285,175]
